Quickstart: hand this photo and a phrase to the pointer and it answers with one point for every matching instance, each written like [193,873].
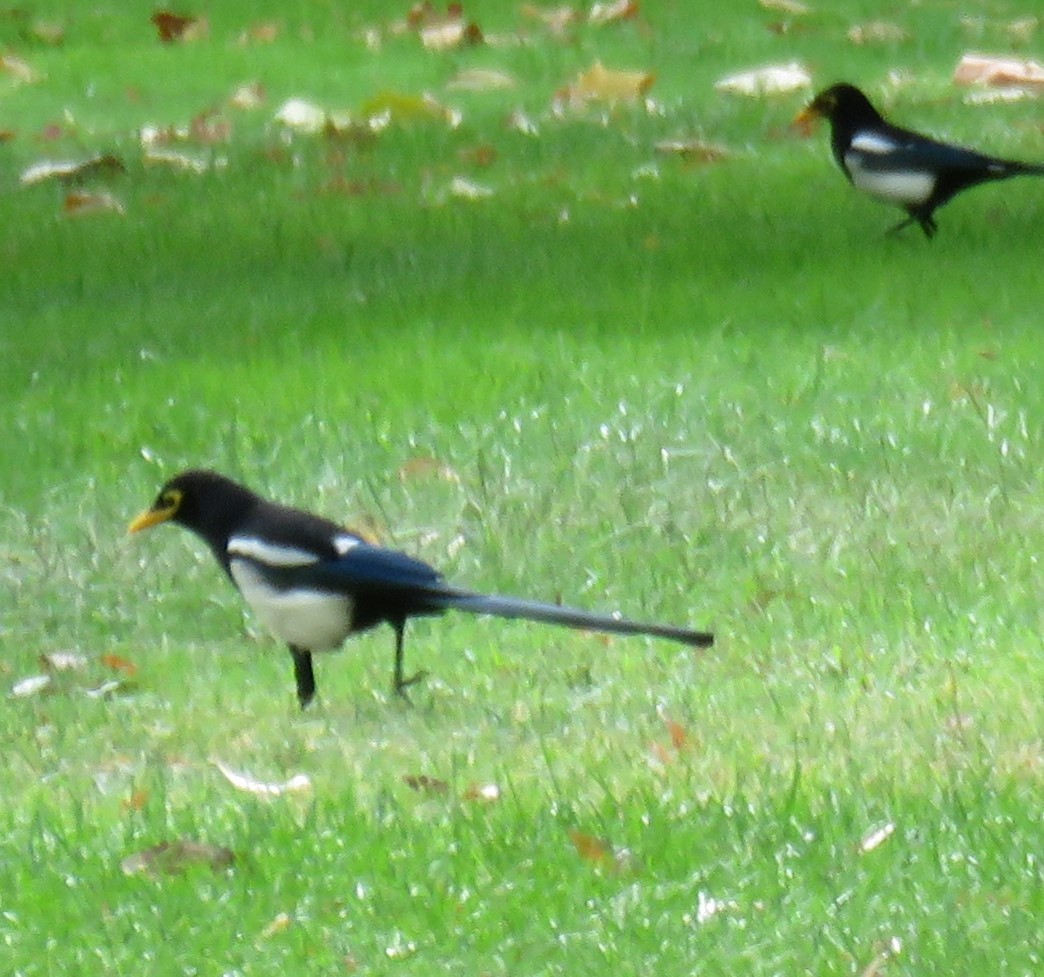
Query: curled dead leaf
[63,661]
[877,837]
[480,80]
[173,28]
[424,784]
[69,170]
[489,793]
[251,95]
[695,149]
[424,466]
[612,11]
[176,857]
[775,79]
[17,69]
[80,203]
[464,189]
[119,664]
[33,685]
[601,84]
[251,785]
[984,69]
[876,32]
[176,160]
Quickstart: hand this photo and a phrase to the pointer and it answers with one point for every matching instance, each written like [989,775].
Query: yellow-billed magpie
[313,583]
[897,165]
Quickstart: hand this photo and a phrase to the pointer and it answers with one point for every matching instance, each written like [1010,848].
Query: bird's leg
[929,226]
[304,675]
[898,227]
[402,684]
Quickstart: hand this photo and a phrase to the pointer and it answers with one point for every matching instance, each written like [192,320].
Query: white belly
[310,620]
[903,187]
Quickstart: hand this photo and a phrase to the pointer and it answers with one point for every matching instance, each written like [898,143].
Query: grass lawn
[704,393]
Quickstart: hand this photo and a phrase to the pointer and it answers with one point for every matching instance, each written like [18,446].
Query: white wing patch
[310,619]
[271,554]
[344,543]
[873,143]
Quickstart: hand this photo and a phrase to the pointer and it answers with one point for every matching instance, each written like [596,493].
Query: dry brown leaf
[450,33]
[135,801]
[776,79]
[678,733]
[157,156]
[613,10]
[175,857]
[252,95]
[17,68]
[80,203]
[424,784]
[601,84]
[557,20]
[173,27]
[984,69]
[590,848]
[480,80]
[465,189]
[694,149]
[483,155]
[263,33]
[251,785]
[33,685]
[280,922]
[119,664]
[793,7]
[876,32]
[424,466]
[210,128]
[63,661]
[50,32]
[877,837]
[69,170]
[489,793]
[6,135]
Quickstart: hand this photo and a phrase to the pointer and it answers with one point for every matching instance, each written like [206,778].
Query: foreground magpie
[897,165]
[313,583]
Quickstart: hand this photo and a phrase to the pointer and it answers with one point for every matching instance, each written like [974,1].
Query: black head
[200,500]
[841,103]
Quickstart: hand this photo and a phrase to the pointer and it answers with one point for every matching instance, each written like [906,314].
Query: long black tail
[570,617]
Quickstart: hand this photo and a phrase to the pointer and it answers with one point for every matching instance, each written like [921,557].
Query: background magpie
[899,166]
[313,583]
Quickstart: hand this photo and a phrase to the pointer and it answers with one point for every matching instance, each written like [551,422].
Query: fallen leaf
[79,203]
[424,784]
[607,13]
[18,69]
[108,688]
[465,189]
[50,32]
[483,155]
[174,857]
[263,33]
[424,466]
[63,661]
[68,170]
[119,664]
[982,69]
[767,80]
[877,837]
[603,84]
[1021,31]
[244,782]
[520,121]
[173,27]
[695,149]
[249,96]
[480,80]
[6,135]
[555,19]
[33,685]
[876,32]
[678,734]
[301,116]
[793,7]
[391,106]
[449,33]
[281,922]
[482,792]
[210,128]
[136,801]
[589,847]
[176,160]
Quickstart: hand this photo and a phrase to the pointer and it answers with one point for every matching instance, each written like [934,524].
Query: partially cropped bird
[897,165]
[313,583]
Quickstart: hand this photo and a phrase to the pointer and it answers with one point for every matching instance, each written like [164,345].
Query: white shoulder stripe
[271,554]
[345,543]
[873,142]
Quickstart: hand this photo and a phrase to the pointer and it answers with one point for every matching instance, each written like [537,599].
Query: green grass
[707,394]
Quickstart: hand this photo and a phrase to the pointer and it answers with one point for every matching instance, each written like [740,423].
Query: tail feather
[570,617]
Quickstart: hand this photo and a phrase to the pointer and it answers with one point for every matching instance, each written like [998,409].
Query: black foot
[303,675]
[402,684]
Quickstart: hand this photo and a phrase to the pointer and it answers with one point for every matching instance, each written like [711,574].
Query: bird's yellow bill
[150,517]
[805,121]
